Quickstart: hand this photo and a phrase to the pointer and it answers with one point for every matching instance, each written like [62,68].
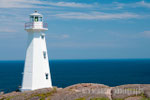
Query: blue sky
[79,29]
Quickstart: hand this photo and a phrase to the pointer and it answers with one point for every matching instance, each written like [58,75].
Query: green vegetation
[9,98]
[145,98]
[118,99]
[42,96]
[81,99]
[99,99]
[92,98]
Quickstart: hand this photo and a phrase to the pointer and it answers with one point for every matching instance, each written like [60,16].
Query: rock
[134,98]
[84,91]
[1,93]
[125,91]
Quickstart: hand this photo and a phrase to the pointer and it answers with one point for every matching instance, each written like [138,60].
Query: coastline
[84,91]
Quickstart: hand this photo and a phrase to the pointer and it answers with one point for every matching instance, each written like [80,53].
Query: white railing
[30,25]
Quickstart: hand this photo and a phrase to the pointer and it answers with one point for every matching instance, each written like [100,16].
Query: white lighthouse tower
[36,70]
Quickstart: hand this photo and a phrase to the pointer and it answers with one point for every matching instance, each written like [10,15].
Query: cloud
[50,4]
[38,4]
[7,33]
[65,36]
[18,3]
[82,44]
[7,30]
[59,36]
[96,15]
[142,4]
[69,4]
[146,33]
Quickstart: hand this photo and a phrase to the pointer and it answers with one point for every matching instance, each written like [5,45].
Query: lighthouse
[36,73]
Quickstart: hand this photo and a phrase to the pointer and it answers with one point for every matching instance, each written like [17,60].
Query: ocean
[68,72]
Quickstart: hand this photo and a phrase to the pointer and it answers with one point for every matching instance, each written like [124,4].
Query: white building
[36,70]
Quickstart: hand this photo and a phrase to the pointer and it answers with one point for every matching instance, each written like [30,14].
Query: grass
[145,98]
[80,99]
[42,96]
[83,98]
[118,99]
[9,98]
[99,99]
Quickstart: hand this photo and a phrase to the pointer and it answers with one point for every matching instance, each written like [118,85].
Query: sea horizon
[111,72]
[91,59]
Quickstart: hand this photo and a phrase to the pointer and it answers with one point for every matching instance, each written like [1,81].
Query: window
[36,19]
[46,76]
[41,19]
[31,18]
[42,36]
[44,54]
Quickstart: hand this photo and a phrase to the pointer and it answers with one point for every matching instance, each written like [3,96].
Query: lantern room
[36,22]
[36,17]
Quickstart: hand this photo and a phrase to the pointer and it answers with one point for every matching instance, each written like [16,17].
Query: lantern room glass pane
[36,19]
[31,18]
[40,19]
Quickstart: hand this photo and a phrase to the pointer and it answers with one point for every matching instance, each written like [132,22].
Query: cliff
[85,91]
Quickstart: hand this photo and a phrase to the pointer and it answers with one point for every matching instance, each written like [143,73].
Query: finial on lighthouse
[35,11]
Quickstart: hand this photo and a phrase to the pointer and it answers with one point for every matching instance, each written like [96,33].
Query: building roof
[36,14]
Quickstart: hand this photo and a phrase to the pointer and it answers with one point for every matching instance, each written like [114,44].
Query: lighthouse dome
[36,14]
